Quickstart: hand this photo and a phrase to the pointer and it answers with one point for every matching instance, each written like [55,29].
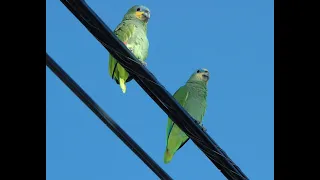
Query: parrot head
[139,12]
[200,75]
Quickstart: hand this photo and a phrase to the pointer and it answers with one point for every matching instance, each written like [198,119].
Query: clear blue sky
[231,38]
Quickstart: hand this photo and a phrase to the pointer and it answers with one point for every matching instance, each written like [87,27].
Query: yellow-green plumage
[192,97]
[132,31]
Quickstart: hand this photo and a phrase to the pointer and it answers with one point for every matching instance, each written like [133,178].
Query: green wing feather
[134,35]
[195,105]
[124,32]
[181,96]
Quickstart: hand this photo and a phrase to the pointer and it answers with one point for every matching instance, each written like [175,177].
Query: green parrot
[193,98]
[132,31]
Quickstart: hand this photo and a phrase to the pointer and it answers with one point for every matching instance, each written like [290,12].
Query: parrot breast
[196,102]
[139,43]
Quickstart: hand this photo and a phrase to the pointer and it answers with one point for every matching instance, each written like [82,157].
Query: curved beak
[146,15]
[207,76]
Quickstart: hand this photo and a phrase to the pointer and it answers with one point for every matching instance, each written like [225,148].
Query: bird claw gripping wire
[144,63]
[202,127]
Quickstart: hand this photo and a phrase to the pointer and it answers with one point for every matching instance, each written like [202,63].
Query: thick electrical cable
[105,118]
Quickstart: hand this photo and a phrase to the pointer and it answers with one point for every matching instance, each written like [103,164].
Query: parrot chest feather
[196,102]
[138,42]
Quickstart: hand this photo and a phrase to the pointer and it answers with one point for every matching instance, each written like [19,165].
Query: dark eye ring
[198,71]
[138,9]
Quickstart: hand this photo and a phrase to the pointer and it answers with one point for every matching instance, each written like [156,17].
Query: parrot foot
[144,63]
[202,127]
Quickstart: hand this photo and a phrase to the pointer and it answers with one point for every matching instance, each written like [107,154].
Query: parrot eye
[138,9]
[198,71]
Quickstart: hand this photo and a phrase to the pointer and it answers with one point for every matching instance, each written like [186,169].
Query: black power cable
[106,119]
[154,89]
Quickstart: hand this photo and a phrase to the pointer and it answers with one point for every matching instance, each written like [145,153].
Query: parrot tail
[122,85]
[167,156]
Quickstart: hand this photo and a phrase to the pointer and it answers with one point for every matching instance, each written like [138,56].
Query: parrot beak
[206,76]
[146,15]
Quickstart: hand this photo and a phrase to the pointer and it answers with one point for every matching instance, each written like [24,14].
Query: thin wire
[105,118]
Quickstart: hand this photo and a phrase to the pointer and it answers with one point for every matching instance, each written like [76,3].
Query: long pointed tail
[167,156]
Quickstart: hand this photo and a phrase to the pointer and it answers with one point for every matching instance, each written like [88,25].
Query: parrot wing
[124,32]
[181,96]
